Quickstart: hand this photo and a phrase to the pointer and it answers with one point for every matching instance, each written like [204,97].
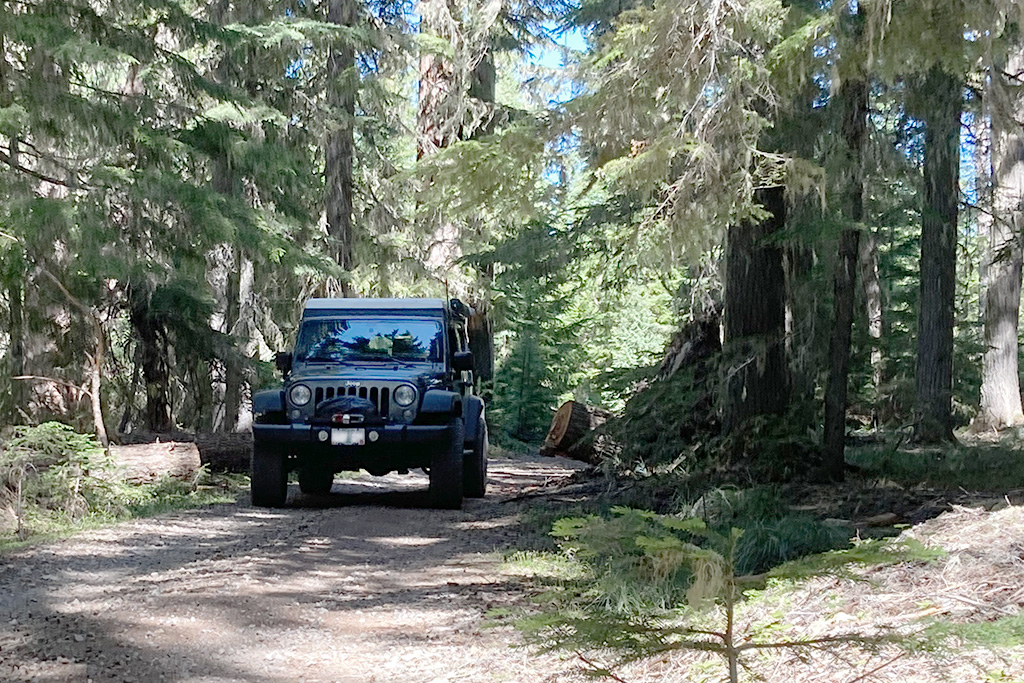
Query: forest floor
[366,585]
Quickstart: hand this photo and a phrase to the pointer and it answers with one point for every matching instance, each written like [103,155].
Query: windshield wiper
[381,359]
[319,359]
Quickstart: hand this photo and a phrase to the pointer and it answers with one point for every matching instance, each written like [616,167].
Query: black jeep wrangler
[382,385]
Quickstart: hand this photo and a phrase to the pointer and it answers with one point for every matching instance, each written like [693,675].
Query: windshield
[339,340]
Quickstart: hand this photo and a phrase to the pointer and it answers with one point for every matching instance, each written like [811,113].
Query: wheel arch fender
[268,401]
[440,401]
[472,411]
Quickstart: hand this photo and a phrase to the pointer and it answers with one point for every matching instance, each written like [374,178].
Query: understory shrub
[53,479]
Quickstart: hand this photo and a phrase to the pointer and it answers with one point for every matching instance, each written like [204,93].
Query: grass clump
[54,481]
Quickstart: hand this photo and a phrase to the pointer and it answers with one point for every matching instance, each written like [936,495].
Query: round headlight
[405,395]
[300,394]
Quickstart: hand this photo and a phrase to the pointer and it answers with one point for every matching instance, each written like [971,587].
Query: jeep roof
[326,307]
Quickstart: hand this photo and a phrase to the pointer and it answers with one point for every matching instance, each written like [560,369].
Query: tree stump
[572,424]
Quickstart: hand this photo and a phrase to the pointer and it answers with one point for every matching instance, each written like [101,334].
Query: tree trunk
[17,350]
[481,326]
[245,332]
[156,372]
[755,317]
[853,103]
[220,269]
[481,343]
[482,86]
[1000,388]
[436,126]
[342,84]
[232,366]
[942,95]
[95,383]
[871,287]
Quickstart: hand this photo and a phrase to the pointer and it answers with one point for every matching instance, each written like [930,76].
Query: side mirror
[462,361]
[283,362]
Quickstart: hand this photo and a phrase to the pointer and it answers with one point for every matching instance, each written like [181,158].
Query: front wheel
[474,464]
[316,479]
[446,470]
[269,482]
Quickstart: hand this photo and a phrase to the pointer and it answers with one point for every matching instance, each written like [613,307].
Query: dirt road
[362,585]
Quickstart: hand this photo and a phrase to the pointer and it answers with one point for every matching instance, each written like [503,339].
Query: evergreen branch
[849,638]
[136,96]
[594,668]
[73,184]
[39,154]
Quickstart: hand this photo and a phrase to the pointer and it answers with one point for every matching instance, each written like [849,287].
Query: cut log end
[572,423]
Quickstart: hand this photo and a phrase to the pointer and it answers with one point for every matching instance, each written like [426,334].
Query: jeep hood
[382,372]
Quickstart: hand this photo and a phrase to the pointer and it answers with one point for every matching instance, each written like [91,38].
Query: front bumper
[396,446]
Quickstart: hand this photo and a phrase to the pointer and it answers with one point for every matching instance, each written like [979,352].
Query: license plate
[348,437]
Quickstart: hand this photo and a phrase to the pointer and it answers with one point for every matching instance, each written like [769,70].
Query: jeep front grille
[378,396]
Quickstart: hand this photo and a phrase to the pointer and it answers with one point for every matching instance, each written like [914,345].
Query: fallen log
[144,463]
[221,452]
[230,452]
[571,435]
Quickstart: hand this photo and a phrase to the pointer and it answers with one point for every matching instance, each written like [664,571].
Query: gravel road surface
[362,585]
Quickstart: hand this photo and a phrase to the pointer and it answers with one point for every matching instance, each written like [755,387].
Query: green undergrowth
[55,482]
[773,532]
[635,584]
[973,466]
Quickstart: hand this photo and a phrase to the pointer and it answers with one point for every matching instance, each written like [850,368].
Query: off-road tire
[316,479]
[446,470]
[269,482]
[474,464]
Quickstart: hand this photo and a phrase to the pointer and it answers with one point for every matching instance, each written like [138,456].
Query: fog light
[409,414]
[373,436]
[296,414]
[323,435]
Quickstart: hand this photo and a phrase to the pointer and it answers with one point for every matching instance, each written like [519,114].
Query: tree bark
[755,317]
[340,143]
[1000,388]
[941,96]
[853,103]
